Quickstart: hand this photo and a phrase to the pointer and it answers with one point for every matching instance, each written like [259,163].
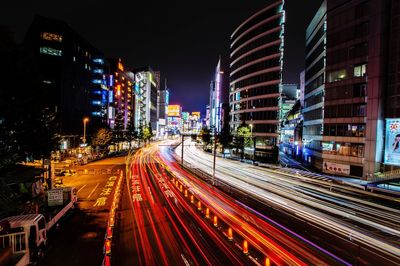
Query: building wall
[123,97]
[62,63]
[314,90]
[256,55]
[353,46]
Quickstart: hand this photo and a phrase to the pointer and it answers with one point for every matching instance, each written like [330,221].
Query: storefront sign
[336,168]
[392,145]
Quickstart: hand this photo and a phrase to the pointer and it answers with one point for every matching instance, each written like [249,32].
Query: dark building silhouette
[69,75]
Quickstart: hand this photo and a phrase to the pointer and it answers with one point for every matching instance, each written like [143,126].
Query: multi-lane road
[178,219]
[351,222]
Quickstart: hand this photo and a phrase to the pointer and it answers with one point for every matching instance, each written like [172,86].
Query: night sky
[182,39]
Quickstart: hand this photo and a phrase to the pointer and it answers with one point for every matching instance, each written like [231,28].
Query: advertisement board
[336,168]
[55,197]
[174,111]
[161,122]
[196,115]
[392,142]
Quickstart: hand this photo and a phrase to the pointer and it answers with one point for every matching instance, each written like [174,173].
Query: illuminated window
[74,58]
[96,81]
[98,61]
[96,113]
[51,37]
[98,71]
[337,75]
[96,102]
[50,51]
[360,70]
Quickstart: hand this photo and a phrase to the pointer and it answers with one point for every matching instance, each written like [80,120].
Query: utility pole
[183,140]
[215,155]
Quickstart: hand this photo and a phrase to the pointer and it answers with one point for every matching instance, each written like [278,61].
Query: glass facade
[256,56]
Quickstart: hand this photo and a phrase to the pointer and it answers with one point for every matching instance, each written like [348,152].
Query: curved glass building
[256,60]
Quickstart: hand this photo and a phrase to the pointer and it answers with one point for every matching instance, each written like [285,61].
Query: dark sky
[182,39]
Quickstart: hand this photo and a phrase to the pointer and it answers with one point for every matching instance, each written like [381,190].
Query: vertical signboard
[392,145]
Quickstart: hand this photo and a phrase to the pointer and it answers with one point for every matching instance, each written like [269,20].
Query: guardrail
[116,203]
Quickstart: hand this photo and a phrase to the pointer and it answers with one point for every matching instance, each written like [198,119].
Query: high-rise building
[314,78]
[350,68]
[216,90]
[256,55]
[69,75]
[147,85]
[162,104]
[121,97]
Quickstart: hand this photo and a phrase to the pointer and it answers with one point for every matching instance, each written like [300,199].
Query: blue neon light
[99,61]
[98,71]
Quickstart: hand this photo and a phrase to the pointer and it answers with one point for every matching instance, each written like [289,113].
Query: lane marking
[93,190]
[82,188]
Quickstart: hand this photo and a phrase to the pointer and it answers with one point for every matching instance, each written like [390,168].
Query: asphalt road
[352,223]
[168,218]
[80,236]
[158,228]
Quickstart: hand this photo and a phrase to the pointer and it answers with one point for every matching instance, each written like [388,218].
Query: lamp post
[214,154]
[85,120]
[251,130]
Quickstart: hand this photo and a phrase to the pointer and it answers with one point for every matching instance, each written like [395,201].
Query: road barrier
[115,205]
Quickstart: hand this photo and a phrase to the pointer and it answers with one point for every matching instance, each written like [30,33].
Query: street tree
[118,130]
[225,138]
[131,134]
[243,138]
[102,138]
[147,133]
[205,135]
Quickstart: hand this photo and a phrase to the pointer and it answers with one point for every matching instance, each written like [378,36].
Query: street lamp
[85,120]
[215,154]
[251,130]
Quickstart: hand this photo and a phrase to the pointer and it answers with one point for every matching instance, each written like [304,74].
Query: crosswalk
[94,171]
[306,174]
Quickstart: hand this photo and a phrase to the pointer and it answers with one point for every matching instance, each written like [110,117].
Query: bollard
[215,221]
[230,234]
[245,247]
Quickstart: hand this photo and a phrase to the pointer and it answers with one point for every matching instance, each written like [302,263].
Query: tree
[225,138]
[118,130]
[147,133]
[205,135]
[243,138]
[131,133]
[102,138]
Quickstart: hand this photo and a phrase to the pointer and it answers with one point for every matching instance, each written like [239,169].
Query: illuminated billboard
[174,110]
[392,145]
[196,115]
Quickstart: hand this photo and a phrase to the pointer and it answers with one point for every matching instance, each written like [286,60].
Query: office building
[350,69]
[121,111]
[67,76]
[256,56]
[147,85]
[162,104]
[314,81]
[216,90]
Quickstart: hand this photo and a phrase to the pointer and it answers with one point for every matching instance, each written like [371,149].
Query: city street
[355,215]
[79,238]
[176,210]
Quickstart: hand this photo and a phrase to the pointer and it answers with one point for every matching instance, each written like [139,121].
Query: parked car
[66,172]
